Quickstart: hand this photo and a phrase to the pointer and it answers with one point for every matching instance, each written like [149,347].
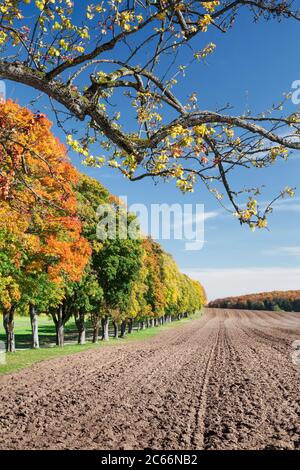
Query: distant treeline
[277,300]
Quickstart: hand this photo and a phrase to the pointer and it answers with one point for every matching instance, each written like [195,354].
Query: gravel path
[226,381]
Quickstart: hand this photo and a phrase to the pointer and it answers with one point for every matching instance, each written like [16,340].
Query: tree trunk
[9,324]
[60,334]
[34,327]
[96,333]
[105,323]
[79,320]
[116,330]
[130,325]
[60,329]
[143,327]
[152,322]
[123,328]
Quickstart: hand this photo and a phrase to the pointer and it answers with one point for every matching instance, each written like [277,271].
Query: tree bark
[79,320]
[143,327]
[60,328]
[130,325]
[96,333]
[116,330]
[105,322]
[34,327]
[9,325]
[123,328]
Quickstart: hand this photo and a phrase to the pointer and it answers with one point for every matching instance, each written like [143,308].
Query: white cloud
[288,208]
[291,250]
[187,219]
[283,205]
[284,250]
[288,204]
[211,215]
[224,282]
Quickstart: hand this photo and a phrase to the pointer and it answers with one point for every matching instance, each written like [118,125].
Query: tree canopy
[40,232]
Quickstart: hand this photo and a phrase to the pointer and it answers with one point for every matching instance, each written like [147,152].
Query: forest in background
[288,301]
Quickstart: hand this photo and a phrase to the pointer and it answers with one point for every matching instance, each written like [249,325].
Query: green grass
[46,331]
[25,358]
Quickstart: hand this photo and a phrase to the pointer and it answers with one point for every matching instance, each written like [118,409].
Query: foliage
[37,203]
[40,233]
[137,51]
[277,300]
[51,256]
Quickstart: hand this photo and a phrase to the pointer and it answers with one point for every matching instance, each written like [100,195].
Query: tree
[39,294]
[137,305]
[9,296]
[39,230]
[118,264]
[81,65]
[155,295]
[84,297]
[90,196]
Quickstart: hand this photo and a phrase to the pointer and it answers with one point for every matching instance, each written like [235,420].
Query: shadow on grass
[47,334]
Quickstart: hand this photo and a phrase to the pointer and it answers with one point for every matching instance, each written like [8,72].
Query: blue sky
[253,65]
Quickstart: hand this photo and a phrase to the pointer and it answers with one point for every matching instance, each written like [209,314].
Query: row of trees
[277,300]
[51,257]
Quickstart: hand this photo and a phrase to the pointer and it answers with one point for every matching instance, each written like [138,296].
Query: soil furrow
[225,381]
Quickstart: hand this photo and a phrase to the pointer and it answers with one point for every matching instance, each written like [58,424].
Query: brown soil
[226,381]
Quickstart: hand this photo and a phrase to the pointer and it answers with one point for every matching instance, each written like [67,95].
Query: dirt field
[226,381]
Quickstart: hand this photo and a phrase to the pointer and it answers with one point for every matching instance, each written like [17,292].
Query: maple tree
[155,296]
[118,264]
[136,51]
[40,231]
